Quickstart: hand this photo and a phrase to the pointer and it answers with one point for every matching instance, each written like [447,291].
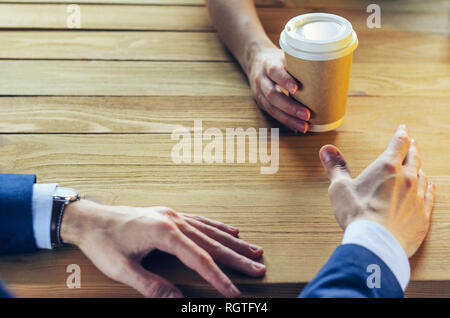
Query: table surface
[94,109]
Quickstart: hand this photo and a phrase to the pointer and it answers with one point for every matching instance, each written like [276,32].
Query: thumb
[334,163]
[149,284]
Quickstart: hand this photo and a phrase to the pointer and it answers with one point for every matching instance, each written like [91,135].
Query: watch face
[66,193]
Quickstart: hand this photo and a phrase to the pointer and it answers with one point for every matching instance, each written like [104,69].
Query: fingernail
[160,292]
[302,127]
[232,228]
[328,154]
[294,88]
[234,291]
[303,114]
[255,248]
[258,266]
[173,294]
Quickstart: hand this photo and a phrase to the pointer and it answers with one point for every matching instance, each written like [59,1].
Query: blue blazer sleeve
[345,275]
[4,293]
[16,219]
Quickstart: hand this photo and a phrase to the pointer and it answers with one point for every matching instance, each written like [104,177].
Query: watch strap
[55,225]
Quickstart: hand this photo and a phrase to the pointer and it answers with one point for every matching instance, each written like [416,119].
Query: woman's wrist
[254,49]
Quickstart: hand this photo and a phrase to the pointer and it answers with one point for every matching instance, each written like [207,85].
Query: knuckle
[410,180]
[402,137]
[271,94]
[169,212]
[260,99]
[168,225]
[227,284]
[120,269]
[389,167]
[163,209]
[272,70]
[205,258]
[338,186]
[257,80]
[215,246]
[419,161]
[151,290]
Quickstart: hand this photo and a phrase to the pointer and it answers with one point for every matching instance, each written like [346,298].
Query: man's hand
[267,74]
[117,238]
[393,191]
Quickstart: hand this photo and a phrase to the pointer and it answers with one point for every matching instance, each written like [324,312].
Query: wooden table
[94,109]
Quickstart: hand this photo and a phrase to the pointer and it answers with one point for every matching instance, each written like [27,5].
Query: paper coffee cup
[319,49]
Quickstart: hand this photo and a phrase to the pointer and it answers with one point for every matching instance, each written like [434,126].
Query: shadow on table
[192,285]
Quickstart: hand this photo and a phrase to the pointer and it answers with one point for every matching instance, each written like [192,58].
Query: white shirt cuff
[42,204]
[382,243]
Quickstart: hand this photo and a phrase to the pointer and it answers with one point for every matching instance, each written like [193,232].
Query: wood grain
[195,18]
[141,78]
[117,17]
[412,5]
[120,45]
[162,114]
[295,223]
[404,47]
[160,66]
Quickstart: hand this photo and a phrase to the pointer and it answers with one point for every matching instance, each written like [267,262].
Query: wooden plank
[412,5]
[274,20]
[385,5]
[260,3]
[164,114]
[119,17]
[197,78]
[121,78]
[118,45]
[294,219]
[415,289]
[128,2]
[195,18]
[394,46]
[402,47]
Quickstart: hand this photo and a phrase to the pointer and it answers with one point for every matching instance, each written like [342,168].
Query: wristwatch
[61,198]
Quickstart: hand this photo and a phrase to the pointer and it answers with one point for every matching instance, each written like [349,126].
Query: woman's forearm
[238,26]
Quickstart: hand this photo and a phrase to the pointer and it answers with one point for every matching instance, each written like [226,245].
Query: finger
[279,75]
[423,184]
[413,161]
[238,245]
[200,261]
[221,226]
[223,254]
[429,198]
[291,122]
[288,105]
[149,284]
[399,145]
[334,163]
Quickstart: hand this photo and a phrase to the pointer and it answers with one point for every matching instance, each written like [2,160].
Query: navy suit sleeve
[4,293]
[16,219]
[346,273]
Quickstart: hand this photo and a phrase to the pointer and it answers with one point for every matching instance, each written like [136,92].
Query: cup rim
[343,44]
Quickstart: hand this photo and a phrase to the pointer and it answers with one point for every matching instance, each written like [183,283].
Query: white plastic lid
[318,37]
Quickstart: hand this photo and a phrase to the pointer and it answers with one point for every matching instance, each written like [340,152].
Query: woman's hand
[393,191]
[117,238]
[268,76]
